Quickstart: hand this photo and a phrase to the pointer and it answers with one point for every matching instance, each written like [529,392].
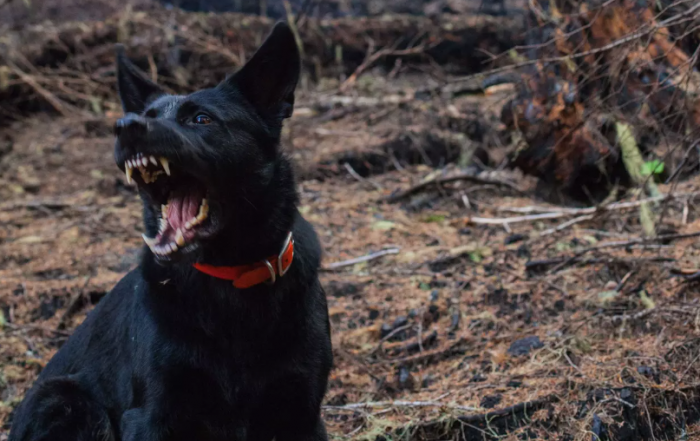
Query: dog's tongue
[183,206]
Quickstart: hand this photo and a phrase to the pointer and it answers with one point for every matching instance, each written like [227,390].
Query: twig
[556,212]
[591,210]
[619,400]
[567,224]
[445,179]
[622,244]
[632,317]
[400,404]
[48,96]
[535,265]
[514,219]
[29,327]
[530,406]
[388,337]
[357,176]
[680,166]
[56,205]
[371,59]
[365,258]
[292,22]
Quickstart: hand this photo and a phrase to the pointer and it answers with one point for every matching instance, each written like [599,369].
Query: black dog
[222,331]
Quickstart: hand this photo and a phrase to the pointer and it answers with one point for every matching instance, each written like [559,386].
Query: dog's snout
[130,123]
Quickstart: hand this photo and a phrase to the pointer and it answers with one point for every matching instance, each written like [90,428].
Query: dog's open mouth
[179,199]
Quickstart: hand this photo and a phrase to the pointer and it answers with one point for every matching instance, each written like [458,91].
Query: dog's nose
[130,122]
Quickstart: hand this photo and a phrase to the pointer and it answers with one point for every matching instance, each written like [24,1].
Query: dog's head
[195,158]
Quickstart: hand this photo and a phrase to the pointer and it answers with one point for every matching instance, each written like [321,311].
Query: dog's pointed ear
[268,79]
[135,90]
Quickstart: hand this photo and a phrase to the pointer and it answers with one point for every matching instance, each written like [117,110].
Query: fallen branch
[540,265]
[30,327]
[50,204]
[365,258]
[567,224]
[622,244]
[388,337]
[557,212]
[56,103]
[400,404]
[445,179]
[359,178]
[373,58]
[514,219]
[528,406]
[609,207]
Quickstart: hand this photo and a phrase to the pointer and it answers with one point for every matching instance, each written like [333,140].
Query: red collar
[245,276]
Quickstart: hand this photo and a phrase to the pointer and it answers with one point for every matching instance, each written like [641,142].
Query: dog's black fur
[172,353]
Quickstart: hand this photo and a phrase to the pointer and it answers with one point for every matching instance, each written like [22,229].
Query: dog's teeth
[179,238]
[173,247]
[162,225]
[203,211]
[150,241]
[166,166]
[188,225]
[128,172]
[164,211]
[153,160]
[144,161]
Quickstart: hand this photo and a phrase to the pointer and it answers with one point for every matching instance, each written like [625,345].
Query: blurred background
[505,192]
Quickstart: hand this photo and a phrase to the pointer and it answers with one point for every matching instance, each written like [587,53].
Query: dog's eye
[202,119]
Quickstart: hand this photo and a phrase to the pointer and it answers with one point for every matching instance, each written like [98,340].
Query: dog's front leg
[136,425]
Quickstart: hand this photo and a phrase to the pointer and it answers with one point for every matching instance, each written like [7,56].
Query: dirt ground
[460,330]
[464,304]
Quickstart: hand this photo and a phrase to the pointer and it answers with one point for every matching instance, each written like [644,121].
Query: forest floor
[459,329]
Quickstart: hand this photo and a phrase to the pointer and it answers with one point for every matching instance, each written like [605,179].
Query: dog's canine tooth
[164,211]
[179,238]
[203,211]
[128,172]
[153,160]
[165,165]
[173,247]
[162,225]
[150,241]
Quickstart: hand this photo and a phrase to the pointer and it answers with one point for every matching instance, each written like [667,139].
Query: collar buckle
[281,270]
[273,277]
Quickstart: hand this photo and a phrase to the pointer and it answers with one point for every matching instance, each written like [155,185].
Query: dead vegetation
[465,304]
